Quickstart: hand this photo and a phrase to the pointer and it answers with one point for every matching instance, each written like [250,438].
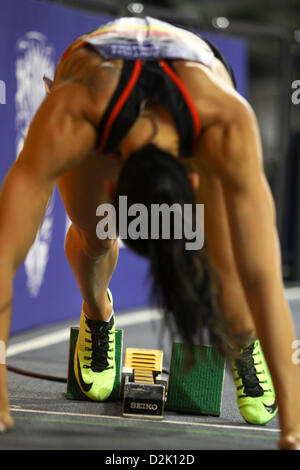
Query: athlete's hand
[6,421]
[290,440]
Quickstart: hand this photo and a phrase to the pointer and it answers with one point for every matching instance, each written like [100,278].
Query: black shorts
[158,82]
[148,47]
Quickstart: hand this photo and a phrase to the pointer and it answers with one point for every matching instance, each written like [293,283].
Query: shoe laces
[99,344]
[248,374]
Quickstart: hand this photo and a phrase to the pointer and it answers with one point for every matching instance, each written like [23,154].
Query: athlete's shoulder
[86,67]
[84,81]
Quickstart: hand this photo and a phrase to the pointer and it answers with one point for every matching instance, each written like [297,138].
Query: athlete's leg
[251,216]
[255,390]
[92,260]
[234,305]
[93,263]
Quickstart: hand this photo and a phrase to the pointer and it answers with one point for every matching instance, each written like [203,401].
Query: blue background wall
[32,38]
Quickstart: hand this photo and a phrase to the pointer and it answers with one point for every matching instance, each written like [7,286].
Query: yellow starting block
[144,389]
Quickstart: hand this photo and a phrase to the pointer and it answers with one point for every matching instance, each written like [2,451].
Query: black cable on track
[36,375]
[51,378]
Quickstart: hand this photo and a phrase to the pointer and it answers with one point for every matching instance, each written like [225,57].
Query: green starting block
[200,390]
[73,389]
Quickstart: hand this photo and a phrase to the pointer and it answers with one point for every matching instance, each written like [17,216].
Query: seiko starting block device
[146,390]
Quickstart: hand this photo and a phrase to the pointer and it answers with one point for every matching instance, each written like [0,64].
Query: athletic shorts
[148,47]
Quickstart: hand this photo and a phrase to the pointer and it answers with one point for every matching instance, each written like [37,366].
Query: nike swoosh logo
[85,387]
[271,408]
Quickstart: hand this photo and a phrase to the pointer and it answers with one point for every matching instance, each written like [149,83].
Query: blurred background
[261,40]
[272,31]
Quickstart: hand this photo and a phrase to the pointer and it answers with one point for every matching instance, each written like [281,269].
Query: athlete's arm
[231,147]
[60,136]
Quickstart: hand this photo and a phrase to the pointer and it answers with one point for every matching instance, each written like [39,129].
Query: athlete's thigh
[216,226]
[83,189]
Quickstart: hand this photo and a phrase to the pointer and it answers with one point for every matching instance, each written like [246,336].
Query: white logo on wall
[35,59]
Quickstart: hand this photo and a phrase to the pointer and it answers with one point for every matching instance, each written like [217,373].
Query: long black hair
[181,279]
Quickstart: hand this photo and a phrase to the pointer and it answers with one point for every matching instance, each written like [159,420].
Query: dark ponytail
[181,279]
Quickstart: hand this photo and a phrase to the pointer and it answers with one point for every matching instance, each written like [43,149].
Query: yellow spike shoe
[94,357]
[255,390]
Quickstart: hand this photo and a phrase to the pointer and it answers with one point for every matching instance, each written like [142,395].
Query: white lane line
[164,421]
[38,343]
[142,316]
[49,339]
[292,293]
[126,319]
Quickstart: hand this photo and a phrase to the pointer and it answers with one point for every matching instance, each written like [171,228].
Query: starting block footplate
[200,390]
